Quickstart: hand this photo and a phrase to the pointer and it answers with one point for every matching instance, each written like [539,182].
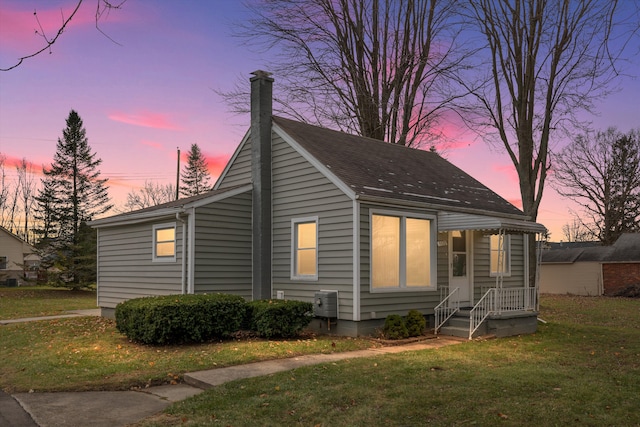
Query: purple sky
[155,92]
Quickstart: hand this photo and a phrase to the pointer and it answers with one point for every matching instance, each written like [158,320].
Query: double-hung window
[402,252]
[304,248]
[500,247]
[164,242]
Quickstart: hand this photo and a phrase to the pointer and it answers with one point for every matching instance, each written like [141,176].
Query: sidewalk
[120,408]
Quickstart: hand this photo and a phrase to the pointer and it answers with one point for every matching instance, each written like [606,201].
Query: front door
[460,264]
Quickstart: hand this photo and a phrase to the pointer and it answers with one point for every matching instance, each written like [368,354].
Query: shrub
[394,327]
[630,291]
[416,323]
[180,318]
[279,318]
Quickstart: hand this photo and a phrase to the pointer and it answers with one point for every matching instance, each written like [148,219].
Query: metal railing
[497,301]
[447,308]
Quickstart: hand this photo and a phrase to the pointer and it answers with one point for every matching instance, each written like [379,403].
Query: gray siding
[239,171]
[481,258]
[378,305]
[125,266]
[300,190]
[223,247]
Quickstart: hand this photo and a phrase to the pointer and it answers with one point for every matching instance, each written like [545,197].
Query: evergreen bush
[416,323]
[173,319]
[280,318]
[394,327]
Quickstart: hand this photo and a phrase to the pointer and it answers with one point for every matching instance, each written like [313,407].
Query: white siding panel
[300,190]
[580,278]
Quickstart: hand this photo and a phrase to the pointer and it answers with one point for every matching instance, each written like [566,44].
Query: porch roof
[449,221]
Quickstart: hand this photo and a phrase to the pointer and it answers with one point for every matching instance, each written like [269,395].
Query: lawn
[581,368]
[42,301]
[88,353]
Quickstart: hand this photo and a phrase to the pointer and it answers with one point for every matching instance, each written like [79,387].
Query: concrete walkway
[120,408]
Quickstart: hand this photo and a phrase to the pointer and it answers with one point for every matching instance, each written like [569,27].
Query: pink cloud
[508,170]
[152,144]
[145,119]
[516,202]
[216,164]
[11,162]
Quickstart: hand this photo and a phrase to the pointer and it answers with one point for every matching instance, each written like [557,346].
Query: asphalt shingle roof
[380,169]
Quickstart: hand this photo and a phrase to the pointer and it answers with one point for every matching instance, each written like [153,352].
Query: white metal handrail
[447,308]
[500,300]
[483,308]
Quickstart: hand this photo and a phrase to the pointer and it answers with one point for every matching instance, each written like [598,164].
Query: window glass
[418,252]
[306,249]
[164,242]
[3,262]
[500,254]
[385,247]
[400,252]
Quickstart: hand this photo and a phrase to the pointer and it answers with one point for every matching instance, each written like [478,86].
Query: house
[18,259]
[591,269]
[302,212]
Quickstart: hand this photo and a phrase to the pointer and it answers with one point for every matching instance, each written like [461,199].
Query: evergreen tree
[195,176]
[72,194]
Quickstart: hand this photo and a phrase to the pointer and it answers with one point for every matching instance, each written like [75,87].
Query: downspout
[183,278]
[191,251]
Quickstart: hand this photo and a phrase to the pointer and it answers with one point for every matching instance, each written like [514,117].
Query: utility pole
[178,177]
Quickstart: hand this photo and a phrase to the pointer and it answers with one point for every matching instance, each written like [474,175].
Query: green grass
[87,353]
[42,301]
[581,368]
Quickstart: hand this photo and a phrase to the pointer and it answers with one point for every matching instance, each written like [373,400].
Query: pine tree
[195,176]
[72,194]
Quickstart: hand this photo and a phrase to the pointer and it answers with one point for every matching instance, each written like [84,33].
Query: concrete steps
[458,325]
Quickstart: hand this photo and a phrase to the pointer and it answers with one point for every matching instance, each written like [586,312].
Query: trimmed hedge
[180,318]
[279,318]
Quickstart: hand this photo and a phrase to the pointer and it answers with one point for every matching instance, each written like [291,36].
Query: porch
[497,299]
[500,312]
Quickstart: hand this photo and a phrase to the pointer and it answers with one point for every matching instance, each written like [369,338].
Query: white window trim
[507,255]
[294,222]
[433,235]
[154,244]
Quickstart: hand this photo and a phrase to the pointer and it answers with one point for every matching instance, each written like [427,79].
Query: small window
[164,242]
[500,255]
[304,263]
[3,262]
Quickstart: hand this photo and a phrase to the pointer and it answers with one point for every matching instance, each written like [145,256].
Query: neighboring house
[590,269]
[301,212]
[18,259]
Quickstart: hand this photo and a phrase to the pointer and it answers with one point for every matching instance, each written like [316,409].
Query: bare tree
[374,67]
[152,194]
[601,172]
[27,187]
[574,231]
[103,7]
[547,61]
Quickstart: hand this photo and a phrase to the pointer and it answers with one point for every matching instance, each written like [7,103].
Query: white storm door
[460,263]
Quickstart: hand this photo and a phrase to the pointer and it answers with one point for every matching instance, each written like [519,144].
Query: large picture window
[164,242]
[304,263]
[402,254]
[500,255]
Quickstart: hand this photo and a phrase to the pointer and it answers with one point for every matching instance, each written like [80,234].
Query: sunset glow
[154,90]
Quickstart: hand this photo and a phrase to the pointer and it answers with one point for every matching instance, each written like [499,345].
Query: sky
[150,87]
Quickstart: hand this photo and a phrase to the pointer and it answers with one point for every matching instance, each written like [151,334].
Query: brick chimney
[261,110]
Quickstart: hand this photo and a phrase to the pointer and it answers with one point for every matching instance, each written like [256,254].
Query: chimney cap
[260,74]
